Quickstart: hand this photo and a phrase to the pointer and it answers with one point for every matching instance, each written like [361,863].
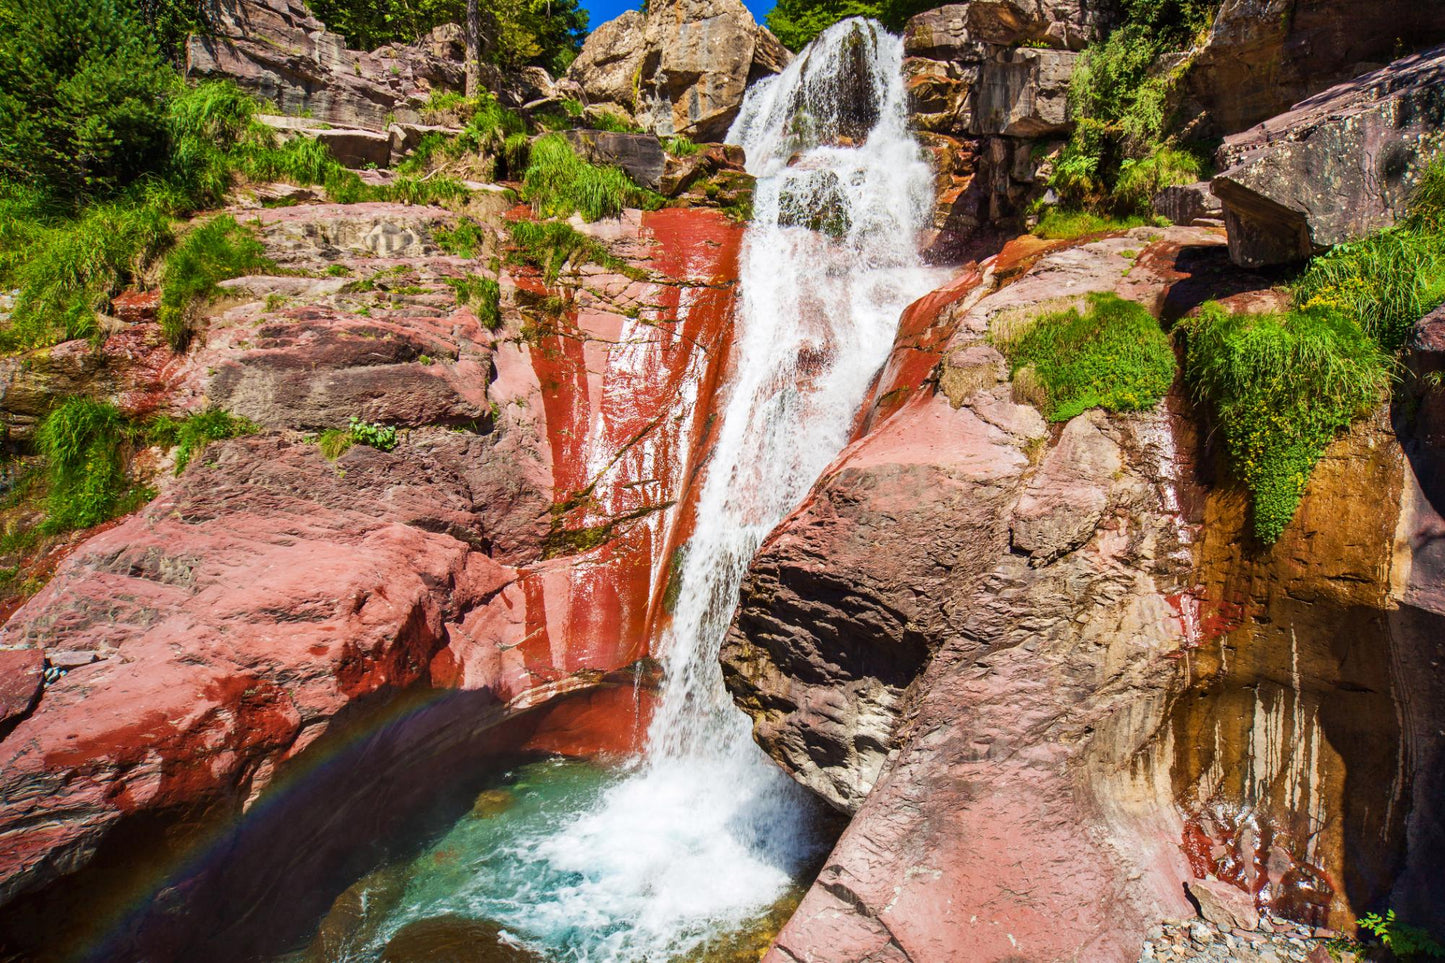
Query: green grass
[1383,283]
[190,435]
[1065,225]
[482,294]
[1282,387]
[609,121]
[1113,356]
[550,246]
[559,183]
[466,240]
[680,146]
[215,251]
[84,444]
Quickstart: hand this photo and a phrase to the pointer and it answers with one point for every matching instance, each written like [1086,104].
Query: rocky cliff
[1051,680]
[512,549]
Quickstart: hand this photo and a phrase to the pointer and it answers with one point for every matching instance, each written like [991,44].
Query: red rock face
[267,591]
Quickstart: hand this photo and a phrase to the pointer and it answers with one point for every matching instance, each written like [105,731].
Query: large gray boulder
[1336,167]
[680,68]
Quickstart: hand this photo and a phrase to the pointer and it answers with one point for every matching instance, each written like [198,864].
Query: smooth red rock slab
[21,679]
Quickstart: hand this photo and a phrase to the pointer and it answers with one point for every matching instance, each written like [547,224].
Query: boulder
[1262,56]
[1334,168]
[1189,204]
[952,32]
[640,155]
[680,68]
[1226,906]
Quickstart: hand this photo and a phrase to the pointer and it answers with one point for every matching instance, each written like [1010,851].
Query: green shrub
[82,97]
[1283,387]
[550,246]
[83,442]
[216,251]
[190,435]
[1113,356]
[559,183]
[610,121]
[483,294]
[797,22]
[1140,180]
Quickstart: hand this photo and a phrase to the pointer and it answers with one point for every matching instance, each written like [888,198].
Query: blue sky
[601,11]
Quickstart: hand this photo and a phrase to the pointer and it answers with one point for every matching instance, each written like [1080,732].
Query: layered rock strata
[514,546]
[988,91]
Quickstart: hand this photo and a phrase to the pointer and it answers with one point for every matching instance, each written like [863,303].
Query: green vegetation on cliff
[559,183]
[1283,387]
[1122,151]
[1113,356]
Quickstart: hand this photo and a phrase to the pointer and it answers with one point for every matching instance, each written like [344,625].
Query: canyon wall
[513,548]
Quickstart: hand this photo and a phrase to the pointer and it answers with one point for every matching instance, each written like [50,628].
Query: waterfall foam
[706,834]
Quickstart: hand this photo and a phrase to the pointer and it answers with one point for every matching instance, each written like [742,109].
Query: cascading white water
[706,834]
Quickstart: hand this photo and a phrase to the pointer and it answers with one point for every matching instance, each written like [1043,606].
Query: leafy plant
[380,437]
[680,146]
[1405,942]
[216,251]
[1113,356]
[1283,387]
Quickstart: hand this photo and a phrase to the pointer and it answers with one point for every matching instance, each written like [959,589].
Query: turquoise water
[514,879]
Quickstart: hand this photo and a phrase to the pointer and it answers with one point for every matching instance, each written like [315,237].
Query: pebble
[1200,941]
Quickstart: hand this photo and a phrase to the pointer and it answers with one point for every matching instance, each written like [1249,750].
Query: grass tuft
[559,183]
[190,435]
[216,251]
[550,246]
[482,294]
[1113,356]
[84,444]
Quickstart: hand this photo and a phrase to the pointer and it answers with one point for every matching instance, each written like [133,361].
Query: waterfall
[705,833]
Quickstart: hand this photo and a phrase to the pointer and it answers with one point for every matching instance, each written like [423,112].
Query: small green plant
[680,146]
[482,294]
[334,442]
[190,435]
[338,271]
[216,251]
[1405,942]
[466,240]
[614,123]
[1113,356]
[380,437]
[84,444]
